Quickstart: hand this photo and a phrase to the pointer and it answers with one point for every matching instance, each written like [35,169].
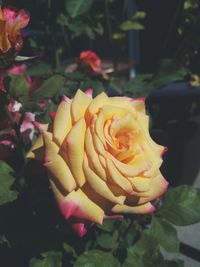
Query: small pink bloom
[27,125]
[17,70]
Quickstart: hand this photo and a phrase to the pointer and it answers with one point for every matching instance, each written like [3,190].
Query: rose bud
[89,61]
[11,42]
[101,159]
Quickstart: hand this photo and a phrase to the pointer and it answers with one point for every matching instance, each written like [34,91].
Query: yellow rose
[101,159]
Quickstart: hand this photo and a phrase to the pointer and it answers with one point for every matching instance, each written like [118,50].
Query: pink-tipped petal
[66,99]
[89,92]
[80,227]
[165,149]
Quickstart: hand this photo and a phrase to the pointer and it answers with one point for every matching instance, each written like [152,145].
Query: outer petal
[61,174]
[80,226]
[158,187]
[62,122]
[59,171]
[140,209]
[77,204]
[75,150]
[79,105]
[98,102]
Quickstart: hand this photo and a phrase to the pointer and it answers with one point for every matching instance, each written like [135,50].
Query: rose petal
[138,165]
[75,150]
[79,105]
[93,156]
[98,185]
[118,178]
[140,184]
[140,209]
[77,204]
[62,122]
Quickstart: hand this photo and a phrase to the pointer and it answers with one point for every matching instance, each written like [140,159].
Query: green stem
[107,11]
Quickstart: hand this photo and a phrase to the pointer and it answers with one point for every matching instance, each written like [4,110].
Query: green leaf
[49,259]
[96,258]
[18,87]
[107,241]
[107,226]
[6,181]
[75,76]
[139,15]
[145,253]
[131,25]
[168,72]
[118,36]
[165,234]
[139,86]
[174,263]
[49,88]
[193,4]
[181,205]
[39,69]
[96,85]
[77,7]
[70,250]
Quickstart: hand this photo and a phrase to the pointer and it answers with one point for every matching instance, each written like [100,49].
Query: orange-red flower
[90,60]
[11,22]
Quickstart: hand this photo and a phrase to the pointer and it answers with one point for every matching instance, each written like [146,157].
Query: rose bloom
[89,59]
[11,22]
[101,160]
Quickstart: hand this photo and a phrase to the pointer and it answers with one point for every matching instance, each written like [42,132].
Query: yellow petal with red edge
[140,184]
[93,156]
[62,122]
[158,187]
[118,178]
[140,209]
[61,173]
[77,204]
[138,165]
[75,150]
[79,105]
[98,185]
